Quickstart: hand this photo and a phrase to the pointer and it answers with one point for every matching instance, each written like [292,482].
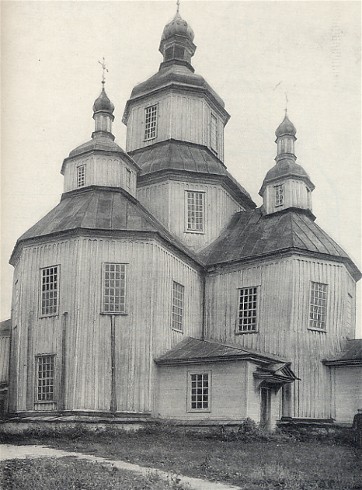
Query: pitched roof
[191,350]
[351,354]
[182,156]
[178,75]
[252,234]
[102,209]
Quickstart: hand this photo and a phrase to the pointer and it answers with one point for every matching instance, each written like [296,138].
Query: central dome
[177,26]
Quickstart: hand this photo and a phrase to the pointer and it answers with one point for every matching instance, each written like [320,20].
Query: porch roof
[192,351]
[351,354]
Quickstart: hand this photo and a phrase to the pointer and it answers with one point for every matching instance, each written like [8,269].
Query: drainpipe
[113,406]
[203,285]
[62,391]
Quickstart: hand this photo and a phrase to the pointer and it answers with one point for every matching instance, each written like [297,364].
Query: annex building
[156,288]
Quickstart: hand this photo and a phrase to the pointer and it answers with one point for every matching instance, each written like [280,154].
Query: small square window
[150,122]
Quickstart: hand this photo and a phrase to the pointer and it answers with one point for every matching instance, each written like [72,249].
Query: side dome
[103,103]
[286,127]
[177,26]
[286,168]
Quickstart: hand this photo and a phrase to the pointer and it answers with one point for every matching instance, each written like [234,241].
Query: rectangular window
[128,178]
[247,319]
[49,290]
[150,122]
[213,132]
[81,176]
[318,306]
[279,194]
[177,305]
[114,288]
[45,374]
[195,211]
[199,391]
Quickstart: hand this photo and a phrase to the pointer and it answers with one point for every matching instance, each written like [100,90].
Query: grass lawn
[250,465]
[70,473]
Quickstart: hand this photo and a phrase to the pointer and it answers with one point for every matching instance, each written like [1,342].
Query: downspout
[203,286]
[63,373]
[113,406]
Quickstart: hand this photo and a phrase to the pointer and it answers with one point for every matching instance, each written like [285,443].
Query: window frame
[128,178]
[52,356]
[103,289]
[203,216]
[56,312]
[199,372]
[255,324]
[148,134]
[81,179]
[173,306]
[279,197]
[317,312]
[214,133]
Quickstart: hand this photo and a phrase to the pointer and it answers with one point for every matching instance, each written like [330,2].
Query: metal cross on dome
[104,69]
[177,6]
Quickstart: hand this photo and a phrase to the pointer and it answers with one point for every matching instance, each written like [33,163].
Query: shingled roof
[252,234]
[191,350]
[173,155]
[351,354]
[99,209]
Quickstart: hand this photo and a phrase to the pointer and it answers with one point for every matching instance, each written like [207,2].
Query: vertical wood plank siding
[100,170]
[181,117]
[167,202]
[284,292]
[4,358]
[295,195]
[150,271]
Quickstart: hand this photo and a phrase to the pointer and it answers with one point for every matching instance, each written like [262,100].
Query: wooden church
[156,288]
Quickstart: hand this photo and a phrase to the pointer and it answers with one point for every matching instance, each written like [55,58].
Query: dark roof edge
[76,232]
[293,209]
[258,358]
[174,85]
[284,176]
[178,142]
[342,362]
[352,268]
[101,152]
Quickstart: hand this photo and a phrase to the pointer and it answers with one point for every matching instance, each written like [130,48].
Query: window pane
[195,211]
[49,291]
[318,306]
[81,176]
[114,288]
[199,398]
[45,370]
[177,305]
[279,194]
[247,321]
[150,122]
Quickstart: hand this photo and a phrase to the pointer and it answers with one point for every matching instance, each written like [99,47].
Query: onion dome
[179,27]
[102,103]
[285,128]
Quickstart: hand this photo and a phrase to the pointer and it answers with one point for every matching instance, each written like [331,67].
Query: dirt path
[8,451]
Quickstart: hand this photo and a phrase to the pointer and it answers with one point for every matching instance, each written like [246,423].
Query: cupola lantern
[287,184]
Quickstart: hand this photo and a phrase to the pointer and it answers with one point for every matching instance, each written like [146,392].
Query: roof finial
[286,103]
[177,6]
[104,69]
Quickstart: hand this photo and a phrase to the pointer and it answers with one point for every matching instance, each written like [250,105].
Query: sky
[254,54]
